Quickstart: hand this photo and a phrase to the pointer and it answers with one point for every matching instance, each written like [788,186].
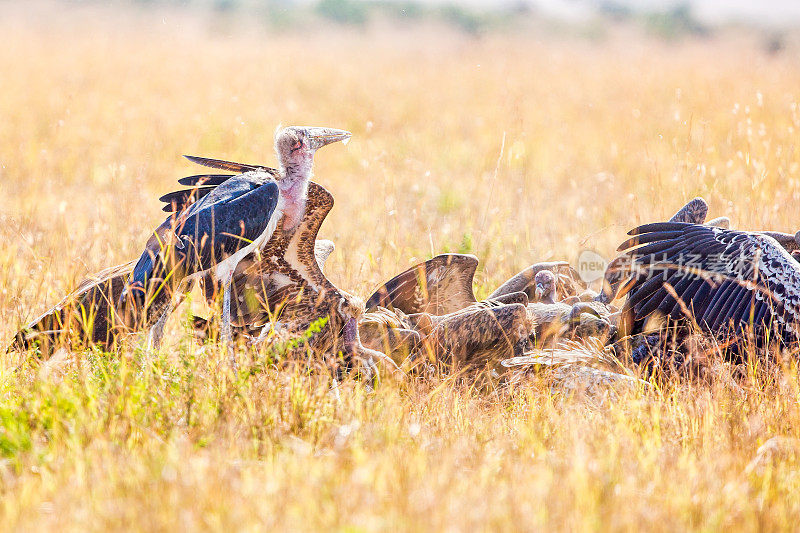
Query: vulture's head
[545,286]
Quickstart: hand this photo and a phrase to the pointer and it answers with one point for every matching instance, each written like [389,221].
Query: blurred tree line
[670,22]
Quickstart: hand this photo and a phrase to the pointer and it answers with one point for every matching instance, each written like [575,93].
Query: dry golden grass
[517,149]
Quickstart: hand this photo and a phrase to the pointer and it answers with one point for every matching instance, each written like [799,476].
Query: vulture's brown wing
[88,313]
[438,286]
[694,212]
[286,269]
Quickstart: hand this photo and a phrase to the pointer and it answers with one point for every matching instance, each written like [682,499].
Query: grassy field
[517,149]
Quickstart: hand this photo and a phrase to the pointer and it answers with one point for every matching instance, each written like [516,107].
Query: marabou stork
[236,218]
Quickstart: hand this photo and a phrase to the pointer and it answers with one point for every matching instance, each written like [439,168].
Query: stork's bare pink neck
[294,188]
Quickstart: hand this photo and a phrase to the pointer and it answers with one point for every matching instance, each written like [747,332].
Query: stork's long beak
[321,136]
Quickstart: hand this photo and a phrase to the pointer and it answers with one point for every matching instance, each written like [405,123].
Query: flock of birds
[250,236]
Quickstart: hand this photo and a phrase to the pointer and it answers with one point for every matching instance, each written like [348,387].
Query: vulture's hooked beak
[319,137]
[539,292]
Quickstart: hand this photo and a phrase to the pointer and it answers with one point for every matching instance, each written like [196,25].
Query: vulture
[87,314]
[443,285]
[432,305]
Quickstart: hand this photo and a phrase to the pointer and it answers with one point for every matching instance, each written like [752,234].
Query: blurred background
[591,18]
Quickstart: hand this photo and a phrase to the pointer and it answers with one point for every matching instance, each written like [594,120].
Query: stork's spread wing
[205,180]
[227,165]
[438,286]
[203,184]
[223,222]
[177,201]
[722,278]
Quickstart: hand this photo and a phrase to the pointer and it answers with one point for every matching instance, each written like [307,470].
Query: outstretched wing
[205,180]
[722,279]
[438,286]
[694,212]
[87,313]
[203,184]
[227,165]
[223,222]
[287,267]
[177,201]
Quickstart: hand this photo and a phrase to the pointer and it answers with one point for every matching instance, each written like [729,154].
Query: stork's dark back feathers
[177,201]
[727,282]
[203,184]
[223,221]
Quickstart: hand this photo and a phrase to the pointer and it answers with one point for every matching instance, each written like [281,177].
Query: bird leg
[156,333]
[226,332]
[358,354]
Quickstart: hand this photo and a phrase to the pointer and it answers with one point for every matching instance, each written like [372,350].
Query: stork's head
[295,145]
[545,282]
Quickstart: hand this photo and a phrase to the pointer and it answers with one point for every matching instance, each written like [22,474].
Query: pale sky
[766,12]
